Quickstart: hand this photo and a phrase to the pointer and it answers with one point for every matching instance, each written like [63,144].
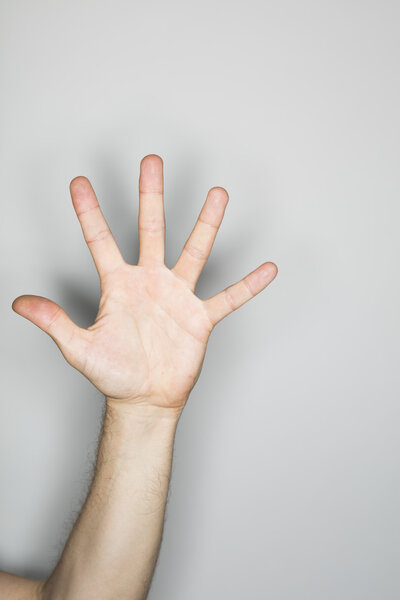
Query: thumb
[54,321]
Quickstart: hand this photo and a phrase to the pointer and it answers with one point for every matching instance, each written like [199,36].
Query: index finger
[100,241]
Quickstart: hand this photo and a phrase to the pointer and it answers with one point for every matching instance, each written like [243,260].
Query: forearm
[113,548]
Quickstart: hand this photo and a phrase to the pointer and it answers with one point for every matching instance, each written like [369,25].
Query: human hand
[148,341]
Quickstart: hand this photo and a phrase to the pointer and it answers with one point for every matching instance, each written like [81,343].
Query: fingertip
[151,174]
[82,194]
[37,309]
[79,182]
[271,269]
[258,279]
[23,303]
[151,160]
[219,194]
[16,302]
[50,318]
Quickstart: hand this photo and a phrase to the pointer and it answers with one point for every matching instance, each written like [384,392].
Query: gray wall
[286,469]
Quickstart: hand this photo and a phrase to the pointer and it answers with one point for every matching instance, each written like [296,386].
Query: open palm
[148,341]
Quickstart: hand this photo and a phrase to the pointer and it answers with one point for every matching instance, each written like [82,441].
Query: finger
[198,246]
[105,252]
[54,321]
[231,298]
[151,211]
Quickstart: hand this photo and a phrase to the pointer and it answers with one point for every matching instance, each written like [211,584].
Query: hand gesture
[150,334]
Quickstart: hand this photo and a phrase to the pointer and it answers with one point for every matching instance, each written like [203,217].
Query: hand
[149,338]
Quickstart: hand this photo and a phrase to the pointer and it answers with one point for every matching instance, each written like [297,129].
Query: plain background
[286,469]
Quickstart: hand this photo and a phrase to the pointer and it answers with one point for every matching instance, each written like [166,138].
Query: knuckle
[54,318]
[195,252]
[101,235]
[247,286]
[229,299]
[151,225]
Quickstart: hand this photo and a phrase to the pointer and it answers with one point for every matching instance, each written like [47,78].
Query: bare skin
[144,352]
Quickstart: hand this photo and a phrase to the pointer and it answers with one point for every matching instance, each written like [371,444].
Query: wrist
[146,411]
[134,433]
